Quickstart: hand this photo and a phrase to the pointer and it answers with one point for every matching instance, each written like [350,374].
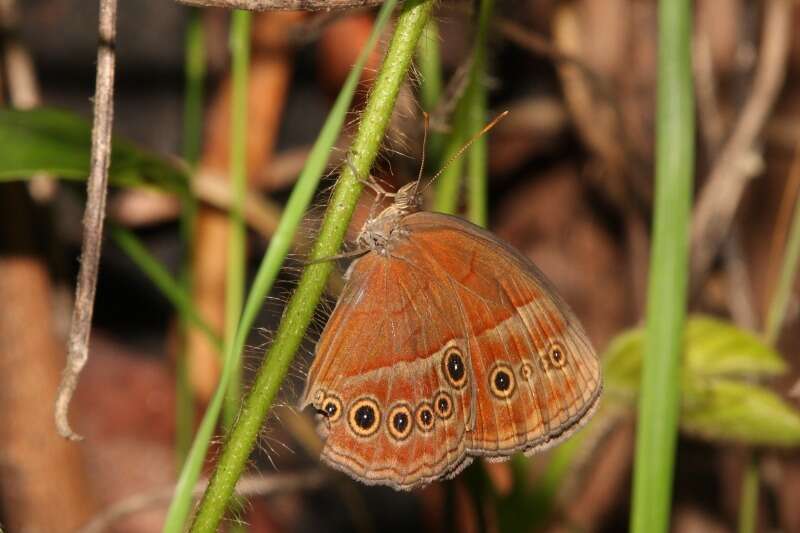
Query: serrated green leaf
[726,410]
[714,348]
[59,142]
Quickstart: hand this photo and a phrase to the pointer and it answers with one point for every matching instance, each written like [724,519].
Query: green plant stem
[192,140]
[299,311]
[776,313]
[666,305]
[449,186]
[237,253]
[172,290]
[267,273]
[477,157]
[429,63]
[469,118]
[748,507]
[194,93]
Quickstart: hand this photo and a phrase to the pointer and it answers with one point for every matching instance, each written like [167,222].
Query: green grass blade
[449,186]
[279,246]
[161,278]
[195,73]
[657,426]
[429,63]
[195,63]
[299,311]
[478,155]
[59,142]
[235,276]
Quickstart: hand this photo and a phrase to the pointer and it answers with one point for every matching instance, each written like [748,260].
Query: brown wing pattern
[382,349]
[552,371]
[450,347]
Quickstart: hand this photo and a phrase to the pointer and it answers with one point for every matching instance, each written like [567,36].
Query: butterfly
[446,344]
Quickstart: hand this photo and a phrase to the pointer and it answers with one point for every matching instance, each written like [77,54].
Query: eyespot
[557,355]
[526,371]
[443,405]
[319,396]
[424,416]
[501,381]
[364,417]
[454,368]
[400,422]
[332,408]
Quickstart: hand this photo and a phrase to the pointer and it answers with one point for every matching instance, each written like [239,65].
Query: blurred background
[571,187]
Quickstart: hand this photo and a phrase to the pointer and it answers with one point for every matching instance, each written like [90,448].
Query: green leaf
[718,348]
[714,403]
[622,363]
[59,143]
[714,348]
[727,410]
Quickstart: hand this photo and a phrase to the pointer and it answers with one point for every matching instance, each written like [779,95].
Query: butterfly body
[446,344]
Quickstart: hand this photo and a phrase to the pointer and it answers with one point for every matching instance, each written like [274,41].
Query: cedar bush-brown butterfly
[446,344]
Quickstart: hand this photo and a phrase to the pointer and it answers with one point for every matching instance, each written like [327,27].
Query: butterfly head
[379,232]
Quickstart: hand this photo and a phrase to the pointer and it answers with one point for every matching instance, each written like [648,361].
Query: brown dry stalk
[590,98]
[733,168]
[285,5]
[78,343]
[269,77]
[42,482]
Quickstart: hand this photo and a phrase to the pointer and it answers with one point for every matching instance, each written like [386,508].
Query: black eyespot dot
[444,405]
[425,417]
[557,355]
[365,417]
[454,368]
[400,422]
[331,408]
[502,381]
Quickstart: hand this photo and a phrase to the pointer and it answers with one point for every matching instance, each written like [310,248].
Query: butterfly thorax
[381,231]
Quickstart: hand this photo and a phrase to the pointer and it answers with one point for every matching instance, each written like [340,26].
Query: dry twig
[78,343]
[141,207]
[733,168]
[586,88]
[288,5]
[247,486]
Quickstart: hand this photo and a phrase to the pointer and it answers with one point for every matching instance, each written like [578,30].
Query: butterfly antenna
[466,145]
[426,123]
